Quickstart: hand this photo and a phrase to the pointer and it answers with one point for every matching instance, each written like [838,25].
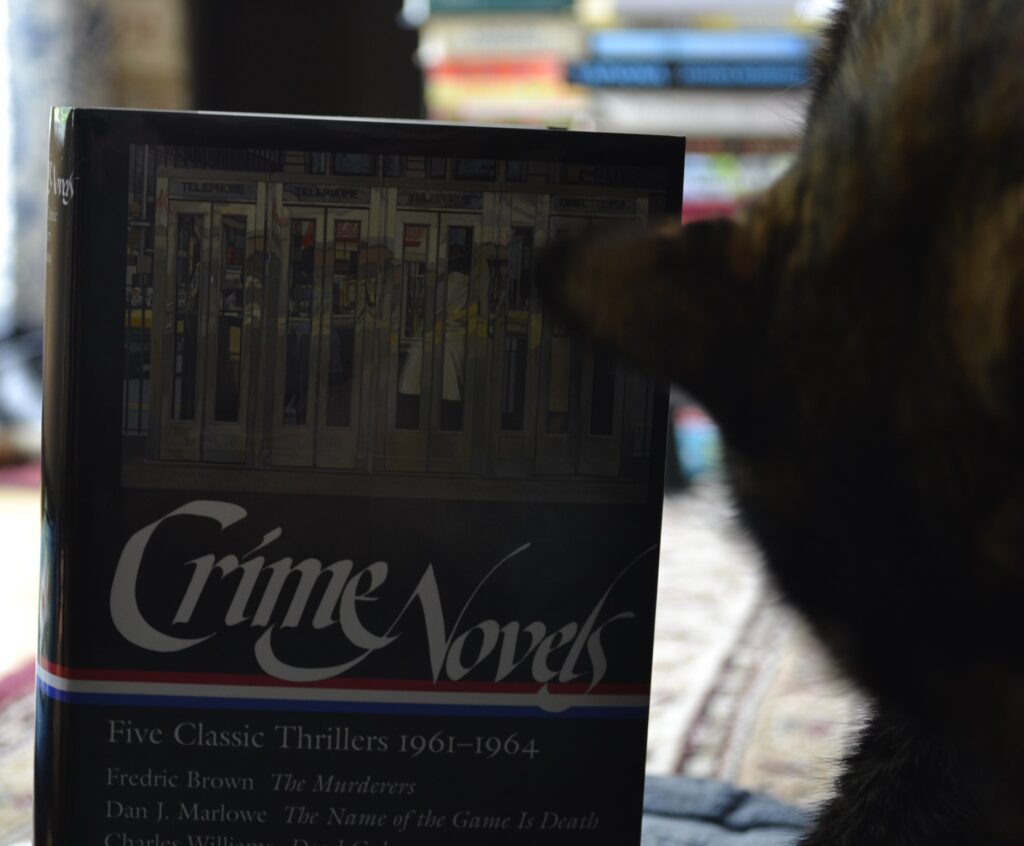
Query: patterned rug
[16,748]
[19,527]
[740,693]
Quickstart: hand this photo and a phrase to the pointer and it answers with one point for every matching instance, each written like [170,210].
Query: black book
[346,539]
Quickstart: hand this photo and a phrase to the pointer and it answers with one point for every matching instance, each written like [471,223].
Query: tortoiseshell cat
[858,333]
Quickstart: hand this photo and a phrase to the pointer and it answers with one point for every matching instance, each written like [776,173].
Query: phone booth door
[457,344]
[515,321]
[343,319]
[319,339]
[229,332]
[204,349]
[581,394]
[558,406]
[434,342]
[411,341]
[180,349]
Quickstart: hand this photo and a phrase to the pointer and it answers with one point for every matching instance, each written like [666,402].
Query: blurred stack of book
[502,61]
[731,75]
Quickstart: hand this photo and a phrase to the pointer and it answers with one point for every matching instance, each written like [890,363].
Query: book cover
[346,539]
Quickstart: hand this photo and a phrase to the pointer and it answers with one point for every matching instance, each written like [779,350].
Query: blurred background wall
[303,57]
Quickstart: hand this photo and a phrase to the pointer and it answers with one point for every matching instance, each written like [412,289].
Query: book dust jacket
[347,541]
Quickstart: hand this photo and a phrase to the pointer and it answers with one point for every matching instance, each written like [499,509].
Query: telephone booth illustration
[320,306]
[374,316]
[208,274]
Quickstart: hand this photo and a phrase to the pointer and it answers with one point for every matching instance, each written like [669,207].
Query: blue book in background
[691,45]
[705,74]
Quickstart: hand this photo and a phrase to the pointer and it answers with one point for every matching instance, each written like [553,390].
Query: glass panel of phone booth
[180,317]
[229,332]
[298,315]
[190,240]
[410,351]
[458,348]
[341,338]
[230,301]
[601,398]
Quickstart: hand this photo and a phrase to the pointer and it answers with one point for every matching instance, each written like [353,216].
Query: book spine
[693,45]
[683,9]
[500,35]
[641,74]
[703,113]
[51,784]
[444,7]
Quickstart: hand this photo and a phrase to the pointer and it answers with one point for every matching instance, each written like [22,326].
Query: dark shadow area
[304,57]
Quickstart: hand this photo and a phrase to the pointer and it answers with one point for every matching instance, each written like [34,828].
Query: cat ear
[673,299]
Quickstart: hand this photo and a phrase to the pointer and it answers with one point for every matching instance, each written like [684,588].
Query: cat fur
[857,332]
